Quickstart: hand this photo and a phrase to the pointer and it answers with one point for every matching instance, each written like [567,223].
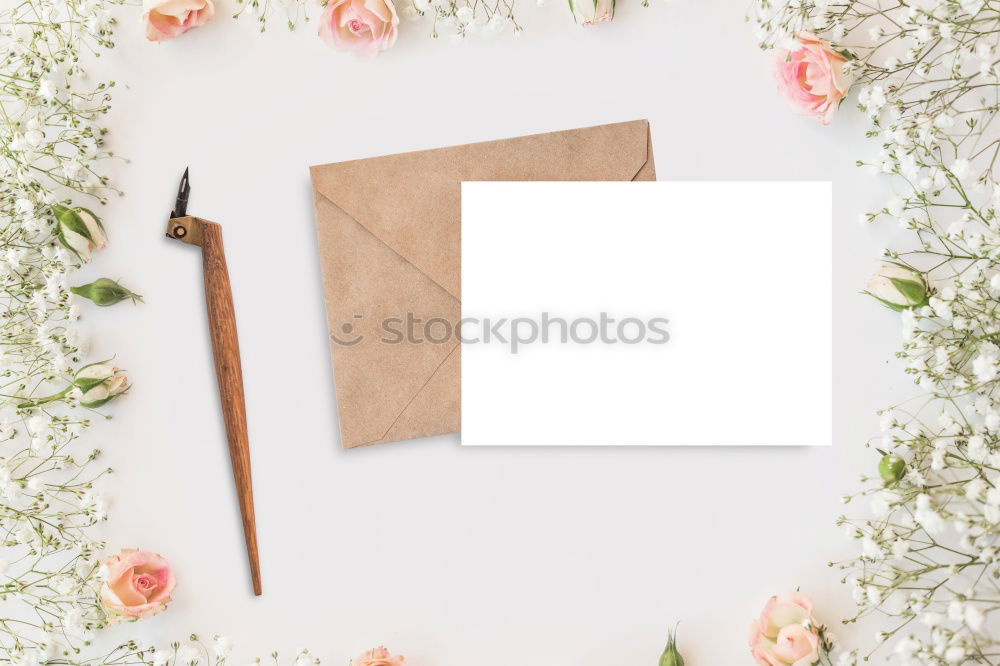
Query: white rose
[99,383]
[590,12]
[898,287]
[79,230]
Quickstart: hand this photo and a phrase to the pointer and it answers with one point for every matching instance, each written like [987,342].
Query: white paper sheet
[710,303]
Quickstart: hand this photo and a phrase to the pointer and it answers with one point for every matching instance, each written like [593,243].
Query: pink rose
[366,27]
[137,585]
[166,19]
[379,657]
[812,77]
[786,633]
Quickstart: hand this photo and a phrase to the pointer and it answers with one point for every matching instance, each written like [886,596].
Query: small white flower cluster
[460,18]
[51,130]
[930,546]
[949,344]
[778,22]
[196,652]
[927,75]
[52,133]
[49,561]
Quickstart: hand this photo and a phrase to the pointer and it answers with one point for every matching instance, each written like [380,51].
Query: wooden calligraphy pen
[226,350]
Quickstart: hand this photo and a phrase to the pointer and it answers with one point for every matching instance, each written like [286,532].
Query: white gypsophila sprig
[51,122]
[52,142]
[926,75]
[51,125]
[458,19]
[261,11]
[777,21]
[196,652]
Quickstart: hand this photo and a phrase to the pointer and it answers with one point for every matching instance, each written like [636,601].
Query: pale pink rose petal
[812,77]
[121,570]
[166,19]
[176,8]
[755,634]
[126,593]
[765,659]
[379,657]
[802,600]
[151,562]
[786,633]
[795,643]
[779,612]
[144,585]
[160,570]
[160,28]
[808,660]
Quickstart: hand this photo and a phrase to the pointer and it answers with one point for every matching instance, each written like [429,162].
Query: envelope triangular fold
[379,366]
[411,201]
[390,244]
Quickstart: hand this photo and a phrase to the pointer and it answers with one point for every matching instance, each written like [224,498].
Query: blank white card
[646,313]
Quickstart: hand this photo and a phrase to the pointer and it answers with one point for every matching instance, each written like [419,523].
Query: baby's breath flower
[934,522]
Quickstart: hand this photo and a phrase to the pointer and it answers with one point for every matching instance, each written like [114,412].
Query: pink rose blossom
[366,27]
[786,633]
[379,657]
[138,585]
[812,77]
[166,19]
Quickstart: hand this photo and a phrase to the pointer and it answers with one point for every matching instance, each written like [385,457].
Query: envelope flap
[411,201]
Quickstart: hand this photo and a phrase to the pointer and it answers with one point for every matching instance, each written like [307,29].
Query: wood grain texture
[226,351]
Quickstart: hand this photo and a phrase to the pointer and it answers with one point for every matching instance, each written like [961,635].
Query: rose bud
[898,287]
[891,468]
[671,656]
[79,230]
[591,12]
[105,292]
[100,383]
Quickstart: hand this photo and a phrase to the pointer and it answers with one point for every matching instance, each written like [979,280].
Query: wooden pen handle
[226,350]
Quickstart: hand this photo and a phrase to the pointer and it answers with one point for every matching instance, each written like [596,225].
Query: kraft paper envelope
[388,230]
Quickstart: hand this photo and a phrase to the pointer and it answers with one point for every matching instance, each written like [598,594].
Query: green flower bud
[670,656]
[898,287]
[891,468]
[104,292]
[79,230]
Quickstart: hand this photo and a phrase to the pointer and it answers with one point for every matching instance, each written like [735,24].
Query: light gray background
[455,556]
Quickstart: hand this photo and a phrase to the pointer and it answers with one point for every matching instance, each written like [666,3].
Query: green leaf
[892,306]
[914,292]
[85,384]
[71,220]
